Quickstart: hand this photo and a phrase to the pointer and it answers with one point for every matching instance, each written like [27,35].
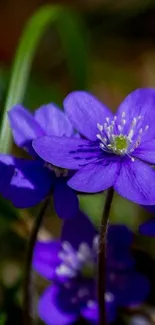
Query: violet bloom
[117,149]
[34,179]
[70,263]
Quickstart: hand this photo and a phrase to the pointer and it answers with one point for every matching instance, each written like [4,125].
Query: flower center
[119,143]
[59,172]
[120,138]
[77,263]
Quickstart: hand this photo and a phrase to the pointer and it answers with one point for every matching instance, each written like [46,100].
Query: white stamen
[141,131]
[109,297]
[99,136]
[67,246]
[100,127]
[91,303]
[65,270]
[134,121]
[130,135]
[82,293]
[119,128]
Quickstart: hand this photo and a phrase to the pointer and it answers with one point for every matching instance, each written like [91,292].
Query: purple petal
[140,102]
[90,312]
[24,127]
[30,184]
[146,152]
[65,152]
[84,112]
[6,174]
[50,311]
[78,230]
[136,182]
[148,228]
[119,242]
[45,258]
[130,289]
[120,236]
[65,200]
[53,121]
[95,177]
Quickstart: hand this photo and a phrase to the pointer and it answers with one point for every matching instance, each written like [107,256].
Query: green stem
[28,288]
[102,257]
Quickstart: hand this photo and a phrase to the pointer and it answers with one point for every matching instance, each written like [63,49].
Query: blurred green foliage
[75,48]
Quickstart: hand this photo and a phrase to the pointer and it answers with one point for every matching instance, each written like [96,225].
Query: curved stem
[27,298]
[102,257]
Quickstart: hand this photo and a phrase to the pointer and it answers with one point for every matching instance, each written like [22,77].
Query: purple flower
[34,179]
[70,263]
[115,151]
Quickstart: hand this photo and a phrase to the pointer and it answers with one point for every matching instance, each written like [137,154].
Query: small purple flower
[70,263]
[34,179]
[117,149]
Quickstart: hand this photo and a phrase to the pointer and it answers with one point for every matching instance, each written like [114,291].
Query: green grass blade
[71,35]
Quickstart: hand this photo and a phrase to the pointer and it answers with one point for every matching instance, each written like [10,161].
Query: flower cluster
[84,149]
[71,265]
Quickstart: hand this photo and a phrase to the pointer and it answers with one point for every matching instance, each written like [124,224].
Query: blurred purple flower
[116,149]
[70,263]
[148,228]
[35,179]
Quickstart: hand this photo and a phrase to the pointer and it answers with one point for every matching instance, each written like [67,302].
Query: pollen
[120,143]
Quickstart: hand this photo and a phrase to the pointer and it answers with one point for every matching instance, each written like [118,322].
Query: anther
[90,303]
[119,128]
[100,127]
[99,136]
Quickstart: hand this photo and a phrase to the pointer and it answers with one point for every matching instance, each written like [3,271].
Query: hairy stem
[28,285]
[102,258]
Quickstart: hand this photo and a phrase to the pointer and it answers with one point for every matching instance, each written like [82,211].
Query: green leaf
[71,33]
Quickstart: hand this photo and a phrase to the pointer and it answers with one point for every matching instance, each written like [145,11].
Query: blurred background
[118,55]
